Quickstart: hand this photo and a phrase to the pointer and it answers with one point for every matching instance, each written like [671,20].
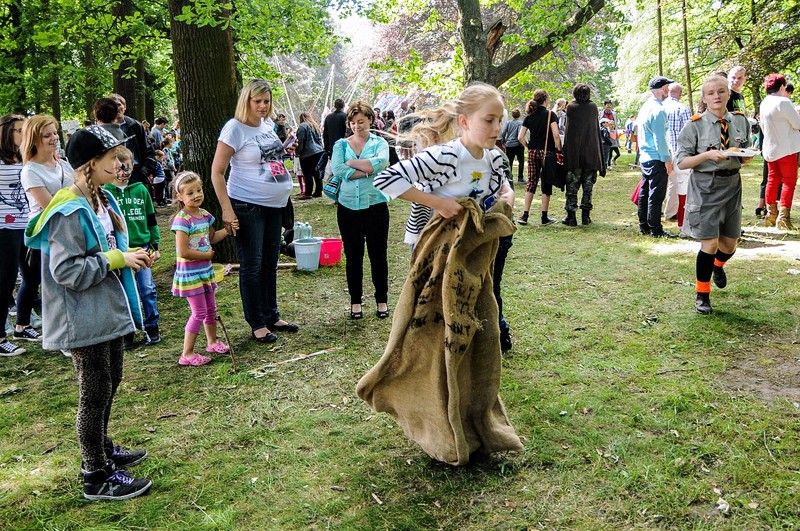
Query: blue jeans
[258,242]
[147,292]
[651,195]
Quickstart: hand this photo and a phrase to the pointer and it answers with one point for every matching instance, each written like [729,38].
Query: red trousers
[781,172]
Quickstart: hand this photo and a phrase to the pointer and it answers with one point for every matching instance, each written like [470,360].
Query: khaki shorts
[713,206]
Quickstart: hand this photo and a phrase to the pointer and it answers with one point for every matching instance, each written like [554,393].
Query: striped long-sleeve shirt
[431,171]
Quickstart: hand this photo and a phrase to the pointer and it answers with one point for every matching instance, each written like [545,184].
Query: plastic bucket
[307,253]
[330,253]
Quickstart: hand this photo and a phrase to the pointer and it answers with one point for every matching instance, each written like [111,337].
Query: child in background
[89,302]
[194,275]
[158,179]
[612,130]
[140,217]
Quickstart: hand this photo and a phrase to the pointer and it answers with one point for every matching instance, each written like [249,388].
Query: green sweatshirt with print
[140,215]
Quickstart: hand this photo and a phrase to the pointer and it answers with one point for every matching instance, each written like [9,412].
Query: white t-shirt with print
[108,228]
[257,175]
[35,175]
[475,176]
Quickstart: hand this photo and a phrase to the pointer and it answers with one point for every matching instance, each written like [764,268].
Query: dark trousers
[258,242]
[356,227]
[613,149]
[499,265]
[651,195]
[311,175]
[517,152]
[99,371]
[30,267]
[10,247]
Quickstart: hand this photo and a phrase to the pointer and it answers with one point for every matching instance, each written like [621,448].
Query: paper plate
[743,152]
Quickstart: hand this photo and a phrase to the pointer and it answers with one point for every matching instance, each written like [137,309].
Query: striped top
[194,277]
[13,203]
[431,171]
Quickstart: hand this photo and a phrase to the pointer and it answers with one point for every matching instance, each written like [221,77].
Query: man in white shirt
[678,115]
[780,124]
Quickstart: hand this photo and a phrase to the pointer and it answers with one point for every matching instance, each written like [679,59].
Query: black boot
[585,219]
[570,220]
[703,304]
[720,278]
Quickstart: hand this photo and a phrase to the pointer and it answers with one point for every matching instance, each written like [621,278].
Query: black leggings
[356,227]
[99,370]
[612,150]
[10,247]
[30,267]
[311,175]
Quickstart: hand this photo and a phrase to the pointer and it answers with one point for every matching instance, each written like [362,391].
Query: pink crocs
[195,361]
[219,347]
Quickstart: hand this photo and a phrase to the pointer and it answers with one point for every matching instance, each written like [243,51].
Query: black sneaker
[523,220]
[547,221]
[8,349]
[110,484]
[125,458]
[703,304]
[720,278]
[663,234]
[152,336]
[128,342]
[27,334]
[505,341]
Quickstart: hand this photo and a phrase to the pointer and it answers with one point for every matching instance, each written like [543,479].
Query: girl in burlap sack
[440,373]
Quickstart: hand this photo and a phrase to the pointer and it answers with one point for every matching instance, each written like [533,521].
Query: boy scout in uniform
[714,201]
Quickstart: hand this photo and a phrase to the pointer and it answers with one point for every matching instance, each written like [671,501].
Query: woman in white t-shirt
[43,174]
[252,203]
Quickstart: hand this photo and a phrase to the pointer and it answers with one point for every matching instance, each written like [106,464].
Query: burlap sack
[440,374]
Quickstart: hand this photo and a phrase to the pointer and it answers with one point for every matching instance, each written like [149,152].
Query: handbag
[332,185]
[554,172]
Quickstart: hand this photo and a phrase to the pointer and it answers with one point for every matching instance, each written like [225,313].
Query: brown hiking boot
[784,220]
[772,215]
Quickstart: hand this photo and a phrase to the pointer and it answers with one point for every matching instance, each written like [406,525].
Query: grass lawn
[635,411]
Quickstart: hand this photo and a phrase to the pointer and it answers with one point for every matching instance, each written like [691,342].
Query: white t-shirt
[257,175]
[108,228]
[35,175]
[475,176]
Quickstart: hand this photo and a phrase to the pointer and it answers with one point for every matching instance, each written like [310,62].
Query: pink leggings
[204,311]
[781,171]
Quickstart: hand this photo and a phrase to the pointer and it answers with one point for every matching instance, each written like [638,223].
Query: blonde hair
[306,118]
[184,177]
[440,125]
[32,132]
[97,196]
[252,89]
[719,80]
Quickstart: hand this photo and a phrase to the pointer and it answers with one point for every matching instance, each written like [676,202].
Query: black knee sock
[544,216]
[720,258]
[704,266]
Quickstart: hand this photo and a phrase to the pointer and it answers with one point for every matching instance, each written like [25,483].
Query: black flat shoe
[288,327]
[356,315]
[269,338]
[382,314]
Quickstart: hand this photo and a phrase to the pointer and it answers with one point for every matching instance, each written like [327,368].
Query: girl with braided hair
[89,302]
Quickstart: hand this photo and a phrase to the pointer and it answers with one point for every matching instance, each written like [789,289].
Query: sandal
[219,347]
[195,361]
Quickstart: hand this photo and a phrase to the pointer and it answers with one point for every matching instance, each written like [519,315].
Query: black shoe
[152,336]
[720,278]
[523,220]
[703,304]
[125,458]
[547,221]
[27,334]
[111,484]
[663,234]
[128,342]
[644,230]
[382,314]
[505,341]
[570,220]
[355,316]
[269,338]
[288,327]
[521,181]
[761,213]
[585,219]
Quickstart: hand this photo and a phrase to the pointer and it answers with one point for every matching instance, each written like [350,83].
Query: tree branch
[501,73]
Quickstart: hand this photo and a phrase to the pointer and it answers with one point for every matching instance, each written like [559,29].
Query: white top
[108,227]
[257,175]
[35,175]
[781,126]
[475,176]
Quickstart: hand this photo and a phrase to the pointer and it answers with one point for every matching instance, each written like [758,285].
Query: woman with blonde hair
[43,175]
[252,202]
[309,150]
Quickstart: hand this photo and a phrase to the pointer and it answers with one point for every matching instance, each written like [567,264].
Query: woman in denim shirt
[363,213]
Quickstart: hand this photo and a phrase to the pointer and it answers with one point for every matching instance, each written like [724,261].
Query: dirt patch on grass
[757,242]
[770,374]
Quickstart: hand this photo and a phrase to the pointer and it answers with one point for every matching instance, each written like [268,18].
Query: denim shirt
[360,194]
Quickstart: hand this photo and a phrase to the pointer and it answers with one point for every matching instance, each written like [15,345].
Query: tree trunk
[89,81]
[660,39]
[19,44]
[206,89]
[686,68]
[141,89]
[125,74]
[476,56]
